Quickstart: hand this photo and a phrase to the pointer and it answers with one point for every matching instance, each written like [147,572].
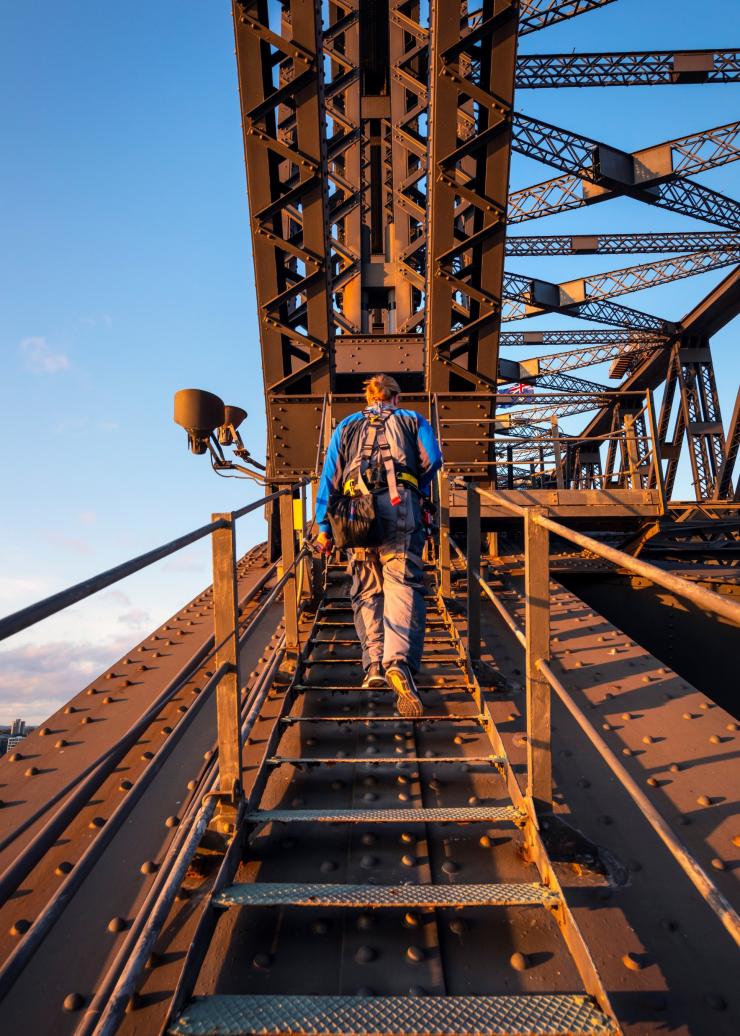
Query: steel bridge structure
[224,833]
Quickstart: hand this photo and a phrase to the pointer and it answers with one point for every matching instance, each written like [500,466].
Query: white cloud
[88,517]
[135,619]
[40,358]
[181,563]
[97,320]
[72,544]
[36,679]
[17,591]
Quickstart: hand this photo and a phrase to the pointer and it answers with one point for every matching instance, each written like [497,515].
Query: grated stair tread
[435,815]
[303,687]
[356,661]
[355,641]
[280,1015]
[376,896]
[452,717]
[385,760]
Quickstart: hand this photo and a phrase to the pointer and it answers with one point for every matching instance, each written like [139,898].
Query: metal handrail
[502,610]
[29,857]
[697,875]
[698,595]
[184,674]
[139,948]
[699,878]
[25,617]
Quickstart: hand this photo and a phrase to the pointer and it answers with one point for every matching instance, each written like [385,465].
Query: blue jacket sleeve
[330,481]
[429,453]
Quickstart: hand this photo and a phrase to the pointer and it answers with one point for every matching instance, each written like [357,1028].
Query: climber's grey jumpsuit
[387,581]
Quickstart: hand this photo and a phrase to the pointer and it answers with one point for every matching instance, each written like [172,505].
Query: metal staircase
[310,709]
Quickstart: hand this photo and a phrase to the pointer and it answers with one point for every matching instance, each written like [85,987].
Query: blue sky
[125,274]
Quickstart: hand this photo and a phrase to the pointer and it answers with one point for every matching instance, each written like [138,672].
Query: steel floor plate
[452,815]
[535,1015]
[377,896]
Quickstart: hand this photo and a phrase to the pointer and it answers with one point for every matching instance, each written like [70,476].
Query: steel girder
[595,172]
[378,188]
[538,14]
[723,486]
[582,336]
[409,58]
[621,244]
[472,84]
[281,88]
[697,393]
[529,296]
[691,386]
[600,286]
[566,383]
[537,71]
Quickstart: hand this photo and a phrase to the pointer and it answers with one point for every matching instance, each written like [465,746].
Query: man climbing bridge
[383,459]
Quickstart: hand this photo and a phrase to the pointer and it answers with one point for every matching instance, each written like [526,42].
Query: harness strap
[375,432]
[390,468]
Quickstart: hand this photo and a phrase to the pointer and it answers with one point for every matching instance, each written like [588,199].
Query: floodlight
[200,414]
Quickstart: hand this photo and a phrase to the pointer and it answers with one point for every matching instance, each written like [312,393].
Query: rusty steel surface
[634,900]
[74,950]
[381,218]
[521,887]
[457,824]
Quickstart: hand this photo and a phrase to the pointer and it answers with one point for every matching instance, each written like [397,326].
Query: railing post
[473,568]
[290,592]
[225,618]
[443,486]
[633,459]
[656,467]
[537,629]
[559,479]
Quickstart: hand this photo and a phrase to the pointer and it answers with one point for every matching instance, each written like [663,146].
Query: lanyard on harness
[376,433]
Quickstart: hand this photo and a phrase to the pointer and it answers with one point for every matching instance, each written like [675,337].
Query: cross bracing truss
[536,71]
[594,172]
[538,14]
[378,141]
[621,244]
[607,285]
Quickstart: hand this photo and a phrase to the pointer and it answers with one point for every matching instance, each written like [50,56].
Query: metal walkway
[387,752]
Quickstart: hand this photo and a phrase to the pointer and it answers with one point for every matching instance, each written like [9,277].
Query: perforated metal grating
[386,760]
[366,896]
[463,815]
[555,1015]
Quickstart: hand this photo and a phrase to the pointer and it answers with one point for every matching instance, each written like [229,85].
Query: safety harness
[375,433]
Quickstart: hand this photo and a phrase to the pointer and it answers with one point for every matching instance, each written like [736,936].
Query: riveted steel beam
[538,14]
[471,88]
[281,91]
[595,172]
[620,244]
[638,68]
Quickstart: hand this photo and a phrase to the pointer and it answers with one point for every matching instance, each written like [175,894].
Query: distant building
[12,735]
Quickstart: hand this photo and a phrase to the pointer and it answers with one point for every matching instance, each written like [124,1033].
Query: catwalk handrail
[29,616]
[535,639]
[698,595]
